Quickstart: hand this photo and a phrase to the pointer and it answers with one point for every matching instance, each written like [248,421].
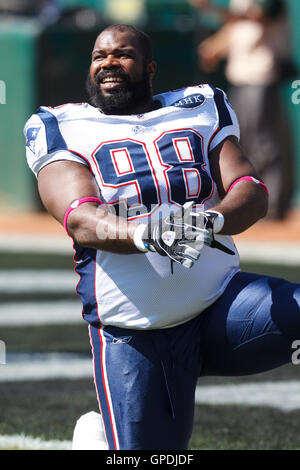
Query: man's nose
[110,61]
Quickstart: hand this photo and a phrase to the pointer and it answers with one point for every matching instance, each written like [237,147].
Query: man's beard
[124,100]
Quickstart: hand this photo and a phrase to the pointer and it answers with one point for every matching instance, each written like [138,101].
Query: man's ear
[151,68]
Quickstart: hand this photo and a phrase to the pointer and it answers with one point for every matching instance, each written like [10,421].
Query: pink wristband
[249,178]
[78,203]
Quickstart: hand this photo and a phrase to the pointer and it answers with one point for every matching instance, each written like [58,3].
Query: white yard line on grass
[36,244]
[23,281]
[283,395]
[286,253]
[20,314]
[281,253]
[22,442]
[45,366]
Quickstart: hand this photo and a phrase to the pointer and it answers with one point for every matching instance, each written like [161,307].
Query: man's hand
[175,236]
[181,235]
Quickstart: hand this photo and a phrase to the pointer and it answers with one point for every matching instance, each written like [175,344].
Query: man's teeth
[111,79]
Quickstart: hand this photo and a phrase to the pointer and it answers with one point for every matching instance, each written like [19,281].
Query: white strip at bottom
[20,441]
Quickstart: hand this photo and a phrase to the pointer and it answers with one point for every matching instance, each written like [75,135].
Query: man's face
[119,81]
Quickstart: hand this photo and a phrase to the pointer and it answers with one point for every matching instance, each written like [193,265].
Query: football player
[151,189]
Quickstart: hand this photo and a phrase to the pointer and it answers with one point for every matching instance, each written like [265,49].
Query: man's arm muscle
[247,202]
[62,182]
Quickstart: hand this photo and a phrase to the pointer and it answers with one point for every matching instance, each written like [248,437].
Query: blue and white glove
[180,235]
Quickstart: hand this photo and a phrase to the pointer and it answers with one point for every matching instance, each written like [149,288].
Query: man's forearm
[242,207]
[97,227]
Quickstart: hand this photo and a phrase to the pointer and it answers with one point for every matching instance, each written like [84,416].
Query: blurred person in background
[254,42]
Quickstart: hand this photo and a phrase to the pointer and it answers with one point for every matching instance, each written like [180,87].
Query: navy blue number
[182,155]
[138,171]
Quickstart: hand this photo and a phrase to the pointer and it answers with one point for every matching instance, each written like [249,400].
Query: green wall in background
[18,71]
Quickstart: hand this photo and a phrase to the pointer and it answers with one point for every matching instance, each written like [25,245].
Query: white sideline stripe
[33,280]
[286,253]
[20,314]
[45,366]
[282,253]
[32,443]
[283,395]
[36,244]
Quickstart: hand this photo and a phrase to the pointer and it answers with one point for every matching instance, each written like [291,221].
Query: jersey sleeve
[44,142]
[227,124]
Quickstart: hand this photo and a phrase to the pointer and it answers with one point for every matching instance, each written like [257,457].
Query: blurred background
[45,52]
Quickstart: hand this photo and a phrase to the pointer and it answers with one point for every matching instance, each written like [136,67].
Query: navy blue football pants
[145,380]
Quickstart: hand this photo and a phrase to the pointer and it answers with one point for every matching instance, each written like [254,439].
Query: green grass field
[48,409]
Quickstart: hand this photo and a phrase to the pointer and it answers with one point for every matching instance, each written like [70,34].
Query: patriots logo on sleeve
[31,136]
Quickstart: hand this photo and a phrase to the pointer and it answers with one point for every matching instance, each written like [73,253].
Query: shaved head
[143,39]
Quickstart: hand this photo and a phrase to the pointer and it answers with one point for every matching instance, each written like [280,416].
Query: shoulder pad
[189,97]
[68,110]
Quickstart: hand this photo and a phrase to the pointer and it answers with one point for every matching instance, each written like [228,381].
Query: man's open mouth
[112,81]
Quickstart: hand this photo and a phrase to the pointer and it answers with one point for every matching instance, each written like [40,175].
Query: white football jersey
[143,163]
